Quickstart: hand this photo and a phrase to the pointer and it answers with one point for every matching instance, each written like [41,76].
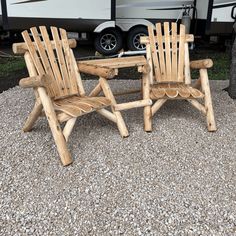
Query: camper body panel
[74,15]
[150,10]
[221,20]
[70,9]
[212,16]
[222,14]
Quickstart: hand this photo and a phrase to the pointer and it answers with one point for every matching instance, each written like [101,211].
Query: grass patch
[221,68]
[9,66]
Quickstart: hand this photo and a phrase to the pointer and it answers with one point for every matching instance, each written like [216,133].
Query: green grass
[8,66]
[221,68]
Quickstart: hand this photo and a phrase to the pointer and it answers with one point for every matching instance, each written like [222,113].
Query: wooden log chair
[58,87]
[169,78]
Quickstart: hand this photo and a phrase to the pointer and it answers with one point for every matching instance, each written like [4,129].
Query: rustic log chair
[169,78]
[58,87]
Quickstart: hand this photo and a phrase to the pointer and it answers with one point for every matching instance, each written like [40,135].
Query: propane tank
[186,19]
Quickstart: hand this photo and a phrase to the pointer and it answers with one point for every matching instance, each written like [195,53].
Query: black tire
[110,47]
[134,36]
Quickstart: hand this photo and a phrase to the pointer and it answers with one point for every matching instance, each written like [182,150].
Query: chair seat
[174,90]
[76,106]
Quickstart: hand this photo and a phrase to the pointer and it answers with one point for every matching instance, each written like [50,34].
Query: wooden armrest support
[201,64]
[144,69]
[101,71]
[36,81]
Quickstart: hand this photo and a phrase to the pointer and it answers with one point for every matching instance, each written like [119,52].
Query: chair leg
[147,109]
[157,105]
[55,128]
[147,118]
[32,118]
[95,92]
[208,101]
[120,121]
[68,128]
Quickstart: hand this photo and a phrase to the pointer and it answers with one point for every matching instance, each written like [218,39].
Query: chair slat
[77,74]
[69,63]
[187,72]
[61,59]
[167,51]
[35,57]
[33,53]
[174,52]
[181,54]
[44,59]
[161,52]
[154,53]
[53,61]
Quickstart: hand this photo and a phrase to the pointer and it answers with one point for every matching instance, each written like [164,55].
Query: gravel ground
[177,180]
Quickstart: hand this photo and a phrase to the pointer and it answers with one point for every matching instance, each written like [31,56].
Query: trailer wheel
[134,35]
[108,42]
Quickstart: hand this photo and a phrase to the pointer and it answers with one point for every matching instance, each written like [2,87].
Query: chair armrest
[201,64]
[35,81]
[101,71]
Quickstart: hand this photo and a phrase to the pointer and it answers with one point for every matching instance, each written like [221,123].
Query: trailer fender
[105,25]
[126,24]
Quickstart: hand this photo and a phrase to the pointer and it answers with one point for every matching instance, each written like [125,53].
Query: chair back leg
[119,119]
[68,128]
[34,115]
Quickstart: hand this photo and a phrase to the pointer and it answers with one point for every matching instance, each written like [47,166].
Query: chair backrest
[55,58]
[169,52]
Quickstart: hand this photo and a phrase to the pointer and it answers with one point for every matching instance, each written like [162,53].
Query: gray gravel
[177,180]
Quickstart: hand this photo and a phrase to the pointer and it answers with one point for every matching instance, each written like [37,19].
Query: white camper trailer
[112,21]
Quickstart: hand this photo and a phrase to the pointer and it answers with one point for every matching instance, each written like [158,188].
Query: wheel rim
[136,41]
[108,42]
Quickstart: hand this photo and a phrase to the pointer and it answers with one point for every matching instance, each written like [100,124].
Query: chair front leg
[55,127]
[33,116]
[119,119]
[211,124]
